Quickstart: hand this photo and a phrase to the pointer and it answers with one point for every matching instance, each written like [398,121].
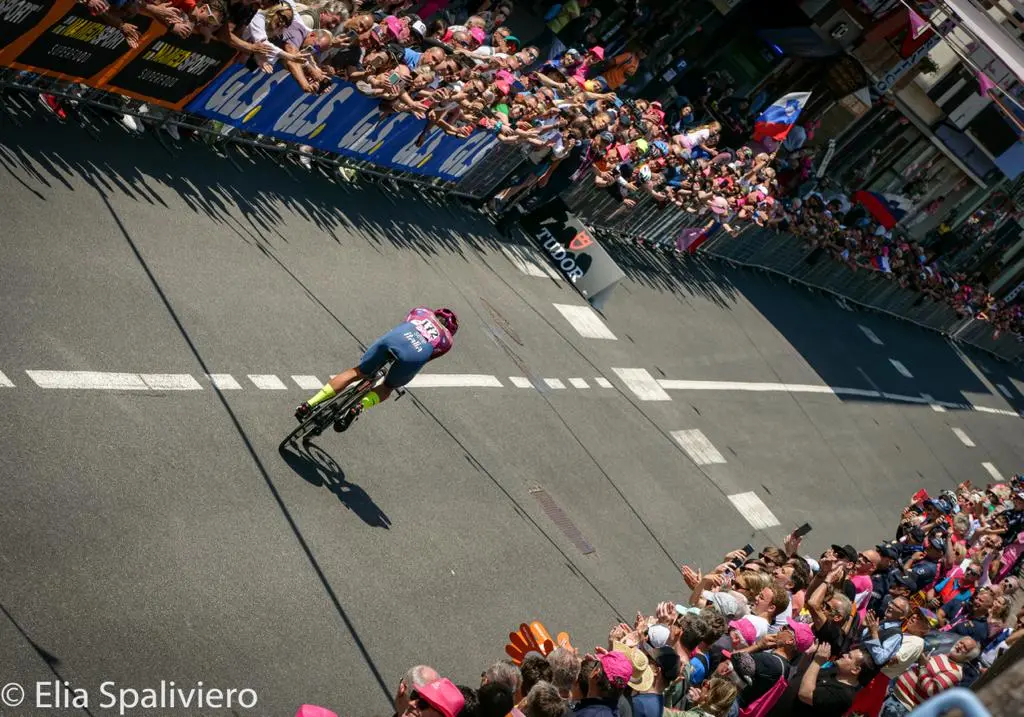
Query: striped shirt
[919,683]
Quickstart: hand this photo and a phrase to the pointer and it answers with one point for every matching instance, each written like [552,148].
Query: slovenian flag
[778,119]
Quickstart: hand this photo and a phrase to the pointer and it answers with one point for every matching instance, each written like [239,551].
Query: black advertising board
[171,69]
[19,16]
[570,246]
[78,45]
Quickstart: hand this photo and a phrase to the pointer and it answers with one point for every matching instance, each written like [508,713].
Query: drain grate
[562,520]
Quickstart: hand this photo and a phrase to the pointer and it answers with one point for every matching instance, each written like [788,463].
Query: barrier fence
[57,48]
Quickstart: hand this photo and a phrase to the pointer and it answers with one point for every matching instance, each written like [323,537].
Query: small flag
[778,119]
[985,84]
[918,25]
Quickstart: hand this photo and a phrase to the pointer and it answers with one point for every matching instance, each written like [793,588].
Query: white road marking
[964,438]
[524,260]
[455,380]
[310,383]
[88,380]
[224,381]
[520,381]
[872,336]
[685,385]
[171,382]
[5,382]
[937,407]
[992,471]
[1004,390]
[642,383]
[554,383]
[754,510]
[578,383]
[603,382]
[904,371]
[698,447]
[586,321]
[267,382]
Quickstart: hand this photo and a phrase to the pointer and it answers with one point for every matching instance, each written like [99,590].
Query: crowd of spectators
[459,67]
[876,631]
[851,235]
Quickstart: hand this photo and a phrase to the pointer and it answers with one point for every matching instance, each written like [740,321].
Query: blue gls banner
[341,120]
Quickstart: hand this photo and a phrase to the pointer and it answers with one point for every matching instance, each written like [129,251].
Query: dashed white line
[5,382]
[992,471]
[455,380]
[520,381]
[578,383]
[754,510]
[86,380]
[1004,390]
[554,383]
[642,383]
[936,406]
[964,438]
[698,447]
[603,382]
[310,383]
[904,371]
[171,382]
[586,321]
[267,382]
[872,336]
[224,381]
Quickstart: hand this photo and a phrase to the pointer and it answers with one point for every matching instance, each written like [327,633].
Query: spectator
[653,673]
[921,622]
[714,698]
[773,656]
[495,700]
[417,676]
[881,639]
[933,675]
[603,678]
[829,693]
[505,673]
[544,700]
[439,697]
[974,620]
[565,670]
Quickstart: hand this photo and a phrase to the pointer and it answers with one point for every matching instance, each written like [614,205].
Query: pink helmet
[447,317]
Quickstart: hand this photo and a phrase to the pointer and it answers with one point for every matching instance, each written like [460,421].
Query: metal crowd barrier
[656,225]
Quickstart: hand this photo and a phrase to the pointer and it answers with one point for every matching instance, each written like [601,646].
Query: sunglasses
[419,702]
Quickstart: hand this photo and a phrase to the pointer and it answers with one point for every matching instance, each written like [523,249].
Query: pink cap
[445,697]
[314,711]
[502,85]
[506,76]
[599,51]
[746,630]
[478,34]
[804,634]
[617,667]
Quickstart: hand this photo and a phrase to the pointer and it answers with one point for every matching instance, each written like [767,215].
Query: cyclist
[424,335]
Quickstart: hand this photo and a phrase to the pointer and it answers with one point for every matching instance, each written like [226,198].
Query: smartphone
[748,549]
[802,530]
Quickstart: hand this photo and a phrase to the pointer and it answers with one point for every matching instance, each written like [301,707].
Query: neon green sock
[326,392]
[370,400]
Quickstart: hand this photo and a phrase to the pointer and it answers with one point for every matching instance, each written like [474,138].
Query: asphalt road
[160,534]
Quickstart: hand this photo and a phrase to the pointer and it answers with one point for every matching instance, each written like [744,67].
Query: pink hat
[505,75]
[599,51]
[446,698]
[719,205]
[746,630]
[617,667]
[804,634]
[478,34]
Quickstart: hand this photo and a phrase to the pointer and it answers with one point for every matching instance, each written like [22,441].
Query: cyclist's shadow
[318,468]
